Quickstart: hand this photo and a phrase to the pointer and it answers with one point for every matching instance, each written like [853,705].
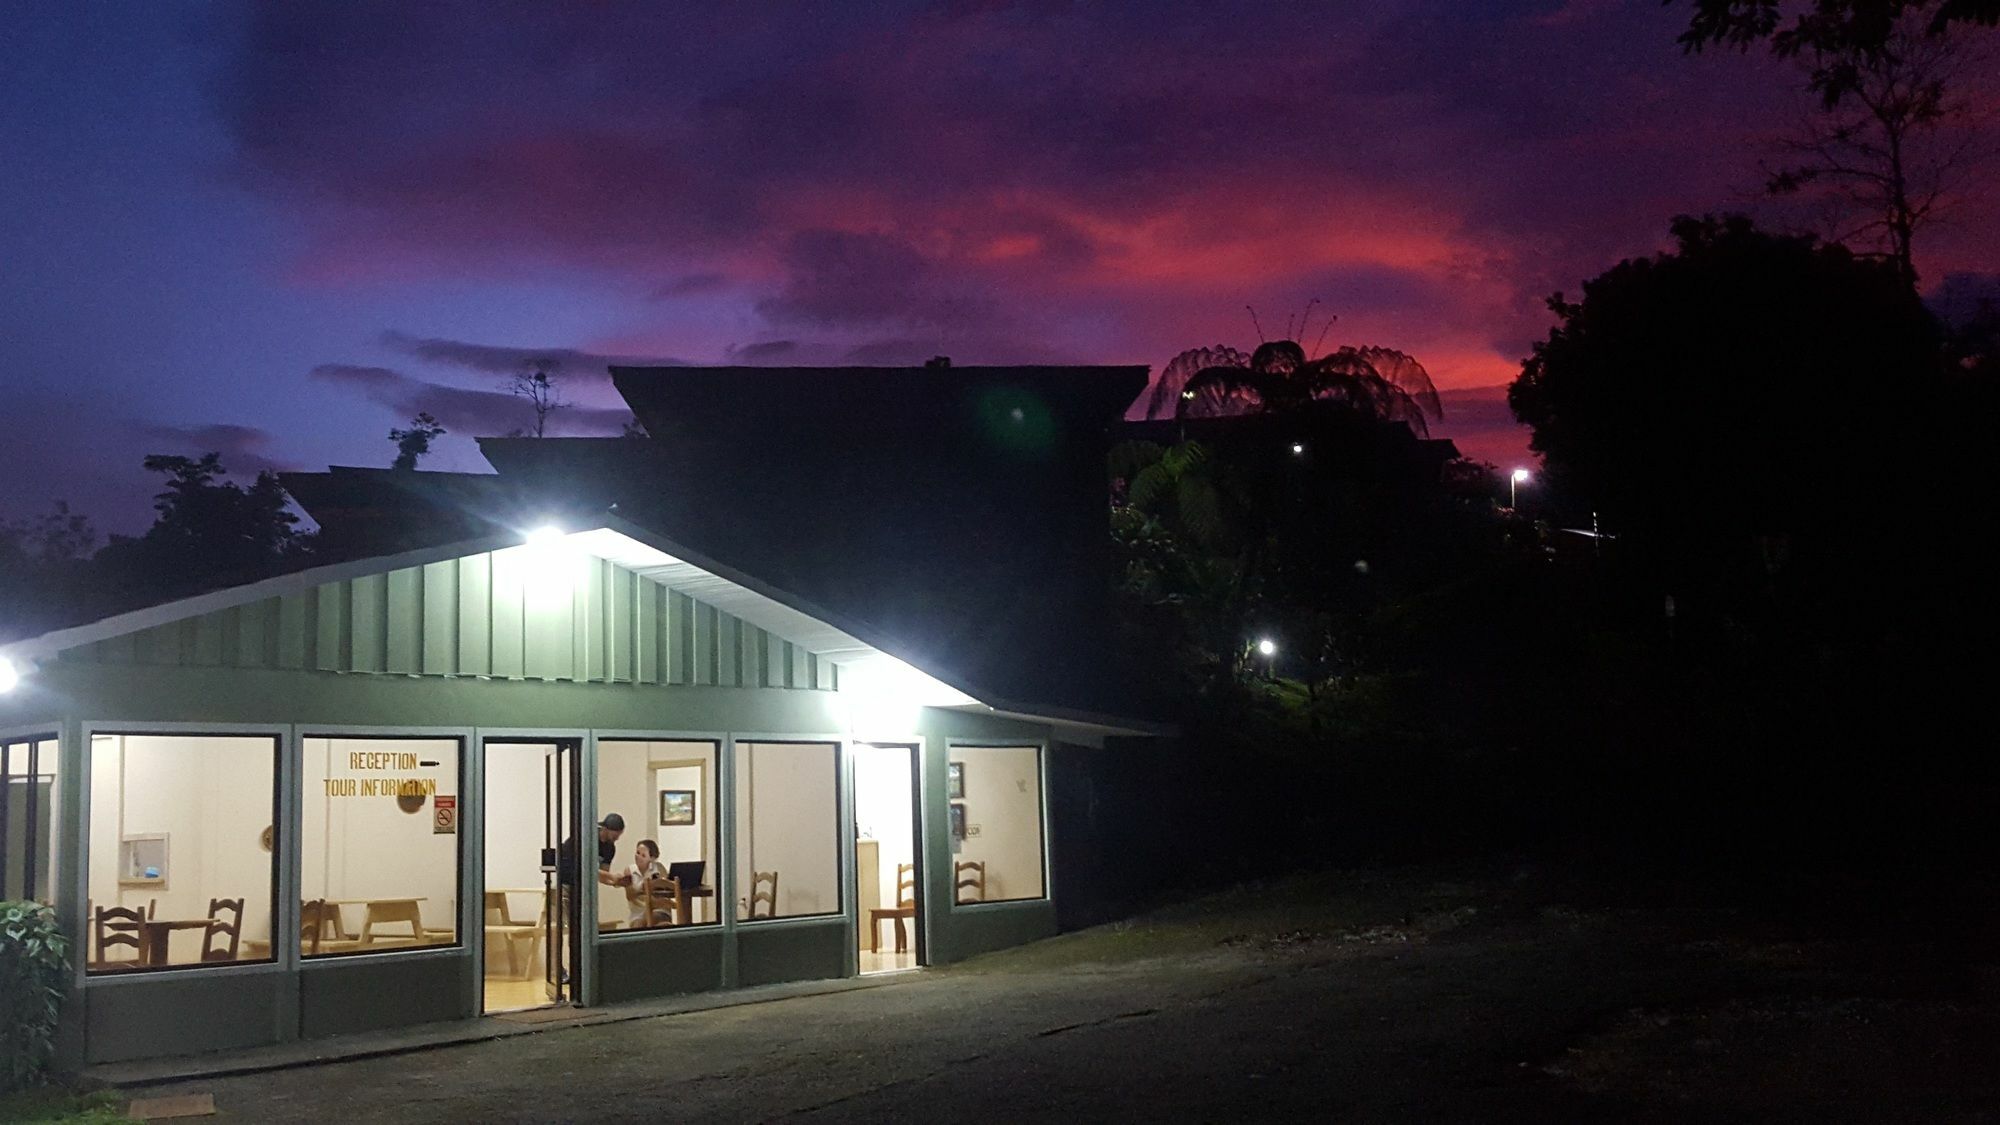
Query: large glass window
[379,844]
[787,829]
[28,803]
[994,802]
[667,859]
[181,850]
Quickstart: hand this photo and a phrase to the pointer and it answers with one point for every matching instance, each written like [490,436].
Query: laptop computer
[687,872]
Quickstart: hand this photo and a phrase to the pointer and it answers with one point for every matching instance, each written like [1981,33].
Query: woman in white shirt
[645,869]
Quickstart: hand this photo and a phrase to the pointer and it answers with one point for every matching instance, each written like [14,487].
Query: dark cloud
[466,411]
[765,351]
[1102,182]
[245,450]
[842,279]
[494,359]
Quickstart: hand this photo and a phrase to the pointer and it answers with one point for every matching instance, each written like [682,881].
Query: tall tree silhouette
[1896,133]
[1737,407]
[1377,383]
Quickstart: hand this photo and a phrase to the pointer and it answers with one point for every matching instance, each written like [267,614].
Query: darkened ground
[1505,994]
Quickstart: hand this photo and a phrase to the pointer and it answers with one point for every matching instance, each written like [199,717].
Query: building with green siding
[771,694]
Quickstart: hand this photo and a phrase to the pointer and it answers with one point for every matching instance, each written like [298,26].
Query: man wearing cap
[608,831]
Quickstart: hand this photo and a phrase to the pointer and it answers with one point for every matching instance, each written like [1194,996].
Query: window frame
[32,737]
[721,800]
[1041,748]
[284,824]
[842,812]
[463,738]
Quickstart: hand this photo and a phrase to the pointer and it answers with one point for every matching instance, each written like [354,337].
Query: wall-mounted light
[10,676]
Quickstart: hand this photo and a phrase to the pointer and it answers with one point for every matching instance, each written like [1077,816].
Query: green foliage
[50,1105]
[34,962]
[413,444]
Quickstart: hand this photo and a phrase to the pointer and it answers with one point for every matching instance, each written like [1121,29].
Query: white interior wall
[514,829]
[787,809]
[1003,817]
[358,847]
[213,797]
[883,809]
[629,779]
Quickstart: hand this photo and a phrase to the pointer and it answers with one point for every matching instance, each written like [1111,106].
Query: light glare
[10,677]
[1268,647]
[1520,476]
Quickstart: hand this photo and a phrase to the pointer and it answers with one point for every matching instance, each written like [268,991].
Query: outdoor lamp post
[1514,484]
[1268,649]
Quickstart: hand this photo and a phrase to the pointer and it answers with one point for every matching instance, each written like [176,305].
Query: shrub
[34,961]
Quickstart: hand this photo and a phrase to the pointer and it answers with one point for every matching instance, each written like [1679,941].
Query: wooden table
[684,908]
[387,912]
[154,932]
[510,931]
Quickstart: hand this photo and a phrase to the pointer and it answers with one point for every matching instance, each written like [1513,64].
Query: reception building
[755,698]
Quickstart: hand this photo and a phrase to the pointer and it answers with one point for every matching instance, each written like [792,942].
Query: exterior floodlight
[1298,447]
[1268,647]
[547,535]
[1514,484]
[9,675]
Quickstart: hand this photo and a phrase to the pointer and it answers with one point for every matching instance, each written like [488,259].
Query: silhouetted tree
[413,444]
[543,396]
[41,562]
[1895,134]
[1380,384]
[1831,32]
[1739,409]
[210,532]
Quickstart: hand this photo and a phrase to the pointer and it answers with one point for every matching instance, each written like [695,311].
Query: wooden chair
[114,926]
[906,907]
[759,893]
[662,898]
[968,874]
[231,928]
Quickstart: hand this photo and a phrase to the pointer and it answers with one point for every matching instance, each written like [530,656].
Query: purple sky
[278,231]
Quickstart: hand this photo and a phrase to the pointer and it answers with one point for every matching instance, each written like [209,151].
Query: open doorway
[528,905]
[888,881]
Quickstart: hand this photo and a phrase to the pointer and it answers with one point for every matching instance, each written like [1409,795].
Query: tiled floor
[886,961]
[505,995]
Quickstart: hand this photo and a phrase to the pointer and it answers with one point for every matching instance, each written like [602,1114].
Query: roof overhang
[868,666]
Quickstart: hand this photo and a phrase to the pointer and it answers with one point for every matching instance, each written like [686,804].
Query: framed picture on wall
[676,806]
[954,781]
[957,821]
